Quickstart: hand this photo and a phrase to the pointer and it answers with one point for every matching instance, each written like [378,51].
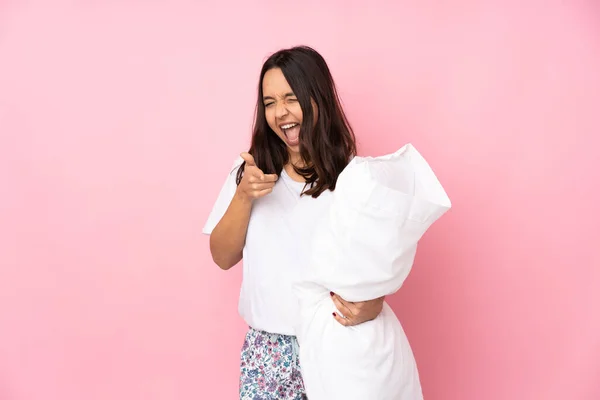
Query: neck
[296,160]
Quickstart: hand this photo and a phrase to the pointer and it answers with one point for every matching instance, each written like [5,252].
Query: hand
[356,313]
[255,183]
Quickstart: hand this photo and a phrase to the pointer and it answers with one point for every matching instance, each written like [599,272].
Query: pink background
[119,121]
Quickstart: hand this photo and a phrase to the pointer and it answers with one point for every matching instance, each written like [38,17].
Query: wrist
[242,197]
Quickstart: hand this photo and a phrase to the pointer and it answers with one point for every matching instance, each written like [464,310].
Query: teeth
[288,126]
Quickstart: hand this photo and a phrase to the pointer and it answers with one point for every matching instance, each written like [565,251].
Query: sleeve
[224,198]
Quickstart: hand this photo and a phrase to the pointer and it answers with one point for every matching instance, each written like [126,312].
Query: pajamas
[269,368]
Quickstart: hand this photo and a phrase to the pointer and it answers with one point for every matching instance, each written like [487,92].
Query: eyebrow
[290,94]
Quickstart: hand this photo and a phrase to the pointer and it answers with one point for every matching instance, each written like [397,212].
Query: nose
[281,110]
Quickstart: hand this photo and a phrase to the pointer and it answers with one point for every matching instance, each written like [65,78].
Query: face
[282,109]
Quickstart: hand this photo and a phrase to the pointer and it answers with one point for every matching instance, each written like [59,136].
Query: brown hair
[327,147]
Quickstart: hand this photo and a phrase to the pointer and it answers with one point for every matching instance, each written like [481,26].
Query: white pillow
[364,249]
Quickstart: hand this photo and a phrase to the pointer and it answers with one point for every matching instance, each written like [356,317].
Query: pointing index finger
[270,177]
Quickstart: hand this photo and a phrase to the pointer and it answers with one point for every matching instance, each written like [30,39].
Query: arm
[228,238]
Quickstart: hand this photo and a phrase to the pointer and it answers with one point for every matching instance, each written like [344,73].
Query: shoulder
[235,165]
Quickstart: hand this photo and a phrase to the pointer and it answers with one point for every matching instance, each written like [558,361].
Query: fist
[255,183]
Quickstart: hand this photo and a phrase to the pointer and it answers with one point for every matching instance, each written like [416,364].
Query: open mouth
[291,132]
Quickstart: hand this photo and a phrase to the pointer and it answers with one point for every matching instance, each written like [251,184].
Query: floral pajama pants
[269,368]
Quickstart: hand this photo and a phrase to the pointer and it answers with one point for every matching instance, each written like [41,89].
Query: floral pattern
[270,368]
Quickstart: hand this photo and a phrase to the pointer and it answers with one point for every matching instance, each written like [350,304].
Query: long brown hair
[327,147]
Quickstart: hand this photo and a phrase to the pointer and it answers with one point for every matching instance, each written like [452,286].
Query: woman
[301,142]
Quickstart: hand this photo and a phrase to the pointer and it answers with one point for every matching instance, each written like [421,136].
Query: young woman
[301,142]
